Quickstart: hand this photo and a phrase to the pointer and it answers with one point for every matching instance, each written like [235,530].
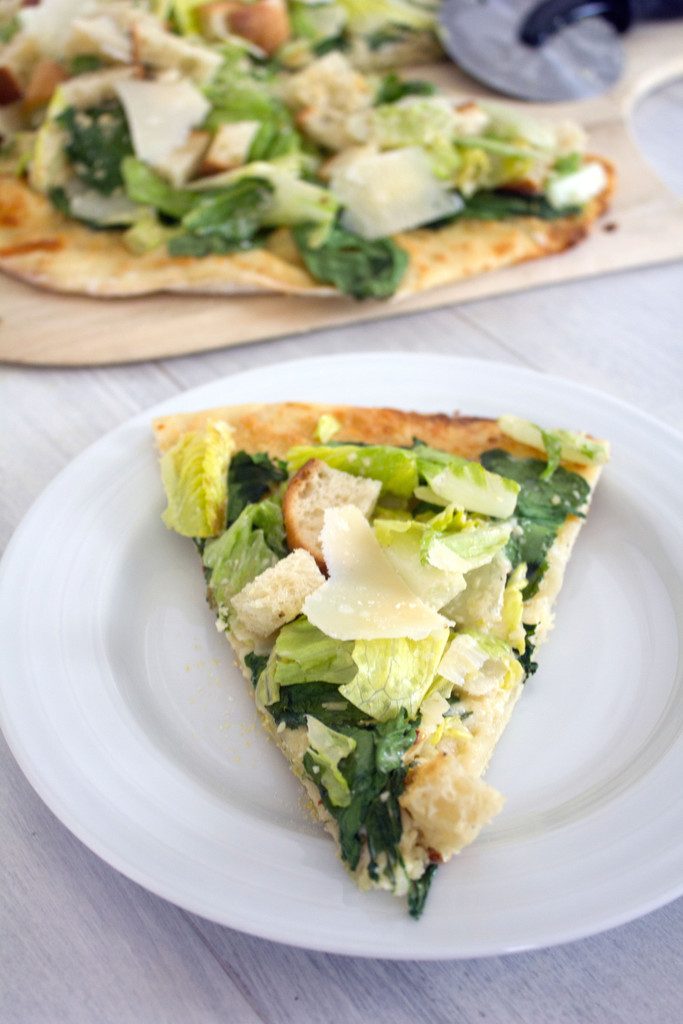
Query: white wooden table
[80,943]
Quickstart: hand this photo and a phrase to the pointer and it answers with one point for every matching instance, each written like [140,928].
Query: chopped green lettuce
[326,427]
[143,185]
[478,663]
[453,480]
[568,445]
[480,604]
[419,121]
[395,468]
[326,748]
[195,476]
[392,88]
[461,550]
[224,221]
[394,674]
[254,542]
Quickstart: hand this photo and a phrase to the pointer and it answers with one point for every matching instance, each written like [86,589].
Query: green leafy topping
[326,749]
[319,699]
[194,472]
[393,88]
[375,779]
[84,63]
[254,542]
[223,221]
[552,500]
[499,205]
[553,449]
[256,664]
[304,654]
[419,890]
[355,266]
[526,658]
[143,185]
[569,164]
[394,675]
[396,468]
[542,505]
[9,29]
[97,142]
[250,478]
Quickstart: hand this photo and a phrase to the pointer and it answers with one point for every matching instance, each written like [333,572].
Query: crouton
[313,489]
[448,806]
[265,23]
[278,594]
[229,147]
[183,163]
[333,101]
[45,77]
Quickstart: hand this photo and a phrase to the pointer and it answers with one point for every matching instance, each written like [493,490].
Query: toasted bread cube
[183,163]
[278,594]
[230,146]
[313,489]
[264,22]
[448,806]
[45,77]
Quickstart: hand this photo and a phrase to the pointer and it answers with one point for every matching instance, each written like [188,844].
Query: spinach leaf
[256,664]
[322,700]
[542,507]
[546,500]
[97,141]
[393,88]
[392,740]
[250,477]
[358,267]
[418,891]
[526,659]
[499,204]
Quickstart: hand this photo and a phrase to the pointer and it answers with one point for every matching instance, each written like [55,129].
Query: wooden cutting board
[644,226]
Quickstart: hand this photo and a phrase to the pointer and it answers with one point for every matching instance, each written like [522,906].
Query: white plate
[123,708]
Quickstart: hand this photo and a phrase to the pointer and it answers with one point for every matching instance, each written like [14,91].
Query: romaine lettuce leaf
[395,468]
[478,664]
[326,748]
[453,480]
[394,674]
[558,443]
[254,542]
[462,550]
[195,476]
[304,654]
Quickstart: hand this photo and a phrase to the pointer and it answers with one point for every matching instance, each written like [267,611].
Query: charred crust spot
[23,248]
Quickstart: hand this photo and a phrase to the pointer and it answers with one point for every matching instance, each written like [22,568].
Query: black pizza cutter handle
[551,16]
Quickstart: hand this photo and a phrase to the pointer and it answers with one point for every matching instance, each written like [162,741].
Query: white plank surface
[80,944]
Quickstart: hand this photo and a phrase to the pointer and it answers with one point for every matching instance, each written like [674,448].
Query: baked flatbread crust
[41,246]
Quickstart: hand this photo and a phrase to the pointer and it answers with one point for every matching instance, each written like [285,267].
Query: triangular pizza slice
[385,579]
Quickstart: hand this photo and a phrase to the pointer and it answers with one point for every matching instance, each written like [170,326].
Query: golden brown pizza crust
[39,245]
[277,427]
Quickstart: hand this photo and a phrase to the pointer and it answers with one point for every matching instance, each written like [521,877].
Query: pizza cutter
[556,50]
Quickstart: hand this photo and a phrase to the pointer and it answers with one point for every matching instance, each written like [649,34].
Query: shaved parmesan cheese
[364,598]
[49,22]
[100,35]
[385,193]
[161,115]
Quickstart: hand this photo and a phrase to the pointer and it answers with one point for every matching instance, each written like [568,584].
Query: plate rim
[186,399]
